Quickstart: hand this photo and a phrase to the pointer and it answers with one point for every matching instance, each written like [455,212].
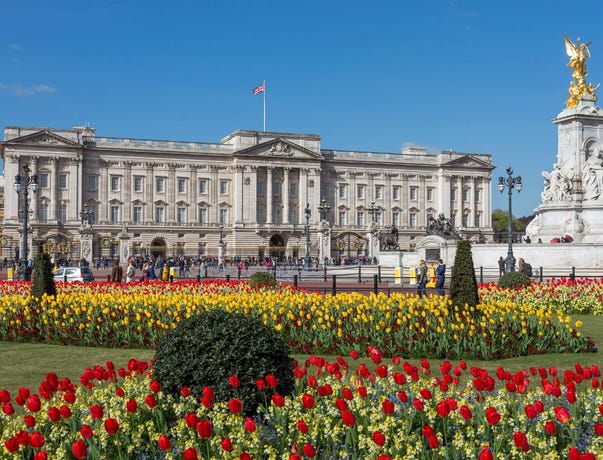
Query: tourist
[501,266]
[422,278]
[130,271]
[440,277]
[117,273]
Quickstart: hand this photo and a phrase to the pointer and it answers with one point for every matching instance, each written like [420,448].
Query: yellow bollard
[432,277]
[398,275]
[412,274]
[9,274]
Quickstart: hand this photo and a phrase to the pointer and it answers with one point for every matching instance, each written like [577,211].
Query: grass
[26,364]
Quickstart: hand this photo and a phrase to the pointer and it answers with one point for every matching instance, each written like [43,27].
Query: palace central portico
[253,194]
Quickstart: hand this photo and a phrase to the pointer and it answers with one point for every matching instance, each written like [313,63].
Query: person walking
[501,266]
[130,271]
[440,277]
[422,278]
[117,273]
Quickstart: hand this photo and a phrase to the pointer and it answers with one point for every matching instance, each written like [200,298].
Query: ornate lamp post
[510,183]
[22,184]
[307,214]
[86,214]
[323,209]
[325,228]
[221,242]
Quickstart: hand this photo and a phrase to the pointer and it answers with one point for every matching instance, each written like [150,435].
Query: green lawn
[26,364]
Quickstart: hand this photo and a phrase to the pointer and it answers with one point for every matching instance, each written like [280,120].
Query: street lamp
[221,242]
[323,209]
[85,215]
[510,183]
[307,214]
[22,184]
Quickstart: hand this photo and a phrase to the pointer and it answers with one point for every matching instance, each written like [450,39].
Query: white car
[73,274]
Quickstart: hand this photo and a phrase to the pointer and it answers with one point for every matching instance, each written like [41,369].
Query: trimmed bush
[43,281]
[207,349]
[514,280]
[262,279]
[463,284]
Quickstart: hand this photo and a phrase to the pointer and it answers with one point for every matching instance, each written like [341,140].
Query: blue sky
[471,76]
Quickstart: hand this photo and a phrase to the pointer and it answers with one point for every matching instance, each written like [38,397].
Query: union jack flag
[259,89]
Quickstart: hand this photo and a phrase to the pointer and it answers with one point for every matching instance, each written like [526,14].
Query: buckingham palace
[252,194]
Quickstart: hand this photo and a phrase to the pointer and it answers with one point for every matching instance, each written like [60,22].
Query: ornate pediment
[279,148]
[468,161]
[44,137]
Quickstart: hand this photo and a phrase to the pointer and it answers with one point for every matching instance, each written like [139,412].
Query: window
[360,219]
[477,222]
[378,192]
[453,218]
[396,219]
[378,218]
[429,194]
[477,195]
[261,188]
[276,188]
[276,215]
[293,216]
[342,190]
[202,215]
[138,184]
[160,186]
[412,218]
[465,195]
[360,191]
[181,215]
[159,214]
[223,187]
[43,211]
[63,212]
[223,216]
[342,218]
[92,182]
[63,181]
[453,194]
[92,211]
[292,191]
[181,185]
[465,222]
[44,180]
[137,214]
[413,193]
[114,214]
[202,185]
[260,215]
[114,183]
[396,193]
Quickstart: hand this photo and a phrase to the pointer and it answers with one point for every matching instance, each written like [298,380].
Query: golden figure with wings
[578,54]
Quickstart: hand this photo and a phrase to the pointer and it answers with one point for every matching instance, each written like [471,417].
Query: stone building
[251,194]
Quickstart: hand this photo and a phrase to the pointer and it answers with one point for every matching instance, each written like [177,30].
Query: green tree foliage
[463,284]
[208,348]
[514,280]
[500,221]
[43,281]
[262,279]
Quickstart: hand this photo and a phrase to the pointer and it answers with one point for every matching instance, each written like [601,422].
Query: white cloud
[33,90]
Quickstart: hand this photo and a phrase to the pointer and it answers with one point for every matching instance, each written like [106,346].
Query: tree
[43,281]
[463,284]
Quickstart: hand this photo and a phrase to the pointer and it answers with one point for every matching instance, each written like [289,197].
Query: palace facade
[253,193]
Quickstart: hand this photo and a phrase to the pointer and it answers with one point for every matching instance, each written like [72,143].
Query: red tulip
[278,400]
[208,393]
[531,411]
[549,427]
[443,409]
[465,412]
[341,404]
[599,429]
[245,456]
[375,354]
[249,425]
[69,397]
[348,418]
[41,455]
[131,405]
[388,407]
[418,404]
[485,454]
[33,403]
[79,449]
[261,384]
[164,442]
[492,416]
[309,450]
[234,381]
[226,444]
[36,440]
[425,393]
[155,386]
[53,414]
[384,457]
[378,438]
[521,441]
[204,429]
[308,401]
[111,425]
[354,354]
[190,453]
[191,419]
[235,406]
[186,391]
[302,426]
[150,400]
[271,380]
[86,431]
[347,394]
[30,421]
[96,412]
[562,414]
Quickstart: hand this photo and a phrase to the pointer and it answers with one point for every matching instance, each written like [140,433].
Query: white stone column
[213,194]
[253,195]
[53,180]
[486,197]
[472,203]
[193,195]
[73,207]
[269,194]
[386,217]
[405,217]
[285,195]
[149,195]
[441,193]
[237,198]
[314,193]
[171,188]
[127,192]
[303,193]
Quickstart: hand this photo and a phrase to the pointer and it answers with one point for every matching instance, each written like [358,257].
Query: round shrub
[262,279]
[514,280]
[208,348]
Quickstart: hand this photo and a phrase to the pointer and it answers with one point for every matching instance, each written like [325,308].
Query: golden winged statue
[578,54]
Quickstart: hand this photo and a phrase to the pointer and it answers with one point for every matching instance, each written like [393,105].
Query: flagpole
[264,105]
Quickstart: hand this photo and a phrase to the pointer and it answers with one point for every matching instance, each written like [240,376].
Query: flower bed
[382,411]
[136,315]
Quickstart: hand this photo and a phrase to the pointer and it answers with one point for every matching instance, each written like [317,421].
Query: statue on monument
[592,176]
[557,186]
[578,54]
